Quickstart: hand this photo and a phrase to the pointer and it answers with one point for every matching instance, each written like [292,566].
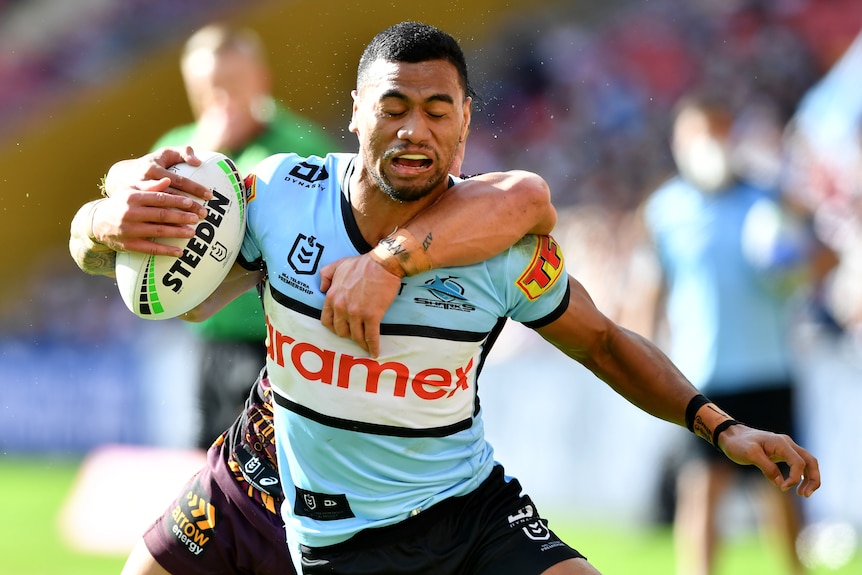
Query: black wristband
[694,405]
[721,427]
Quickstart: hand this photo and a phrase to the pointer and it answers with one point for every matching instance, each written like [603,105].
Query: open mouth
[413,161]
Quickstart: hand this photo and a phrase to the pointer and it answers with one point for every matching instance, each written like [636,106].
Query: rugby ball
[162,287]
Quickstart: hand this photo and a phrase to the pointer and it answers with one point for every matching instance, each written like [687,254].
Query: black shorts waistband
[410,527]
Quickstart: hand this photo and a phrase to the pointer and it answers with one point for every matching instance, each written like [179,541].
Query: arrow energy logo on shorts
[194,520]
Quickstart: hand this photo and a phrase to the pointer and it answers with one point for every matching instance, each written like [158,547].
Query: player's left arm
[475,220]
[640,372]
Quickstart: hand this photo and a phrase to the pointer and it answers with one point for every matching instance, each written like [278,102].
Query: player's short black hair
[414,42]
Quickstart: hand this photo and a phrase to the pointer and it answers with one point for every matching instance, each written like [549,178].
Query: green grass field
[33,490]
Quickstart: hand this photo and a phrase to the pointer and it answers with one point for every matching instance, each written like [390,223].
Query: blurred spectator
[228,85]
[825,177]
[588,96]
[732,258]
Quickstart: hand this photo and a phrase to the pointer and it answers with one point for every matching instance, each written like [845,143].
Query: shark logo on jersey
[305,255]
[445,289]
[448,294]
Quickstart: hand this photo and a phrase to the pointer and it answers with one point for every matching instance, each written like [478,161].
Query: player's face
[410,118]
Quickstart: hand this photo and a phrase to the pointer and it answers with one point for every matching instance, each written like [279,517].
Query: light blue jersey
[713,289]
[367,442]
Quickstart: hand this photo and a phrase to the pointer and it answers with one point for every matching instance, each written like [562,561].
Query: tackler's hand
[143,202]
[135,216]
[142,172]
[358,292]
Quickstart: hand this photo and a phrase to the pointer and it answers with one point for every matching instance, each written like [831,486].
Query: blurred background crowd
[582,93]
[49,48]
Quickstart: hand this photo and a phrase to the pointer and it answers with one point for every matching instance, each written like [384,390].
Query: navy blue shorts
[495,530]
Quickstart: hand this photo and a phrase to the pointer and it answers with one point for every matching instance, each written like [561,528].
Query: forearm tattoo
[93,260]
[91,256]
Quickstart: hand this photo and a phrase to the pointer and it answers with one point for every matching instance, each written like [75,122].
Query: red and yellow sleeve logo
[543,270]
[250,187]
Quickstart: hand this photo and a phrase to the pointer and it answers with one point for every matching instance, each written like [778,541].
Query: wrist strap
[90,216]
[694,406]
[401,254]
[382,256]
[706,420]
[721,427]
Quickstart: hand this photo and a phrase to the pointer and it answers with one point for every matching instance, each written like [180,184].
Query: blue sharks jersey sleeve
[364,442]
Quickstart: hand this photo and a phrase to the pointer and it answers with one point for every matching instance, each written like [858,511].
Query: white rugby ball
[162,287]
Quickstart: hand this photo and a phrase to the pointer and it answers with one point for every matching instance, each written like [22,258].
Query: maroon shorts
[224,520]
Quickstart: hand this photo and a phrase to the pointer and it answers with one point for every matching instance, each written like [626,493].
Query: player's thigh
[141,562]
[577,566]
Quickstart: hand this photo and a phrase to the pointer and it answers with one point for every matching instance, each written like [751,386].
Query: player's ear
[352,125]
[465,129]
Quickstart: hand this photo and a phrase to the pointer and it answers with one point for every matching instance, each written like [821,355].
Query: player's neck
[376,213]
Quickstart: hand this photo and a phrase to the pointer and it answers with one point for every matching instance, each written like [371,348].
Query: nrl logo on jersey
[310,501]
[304,256]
